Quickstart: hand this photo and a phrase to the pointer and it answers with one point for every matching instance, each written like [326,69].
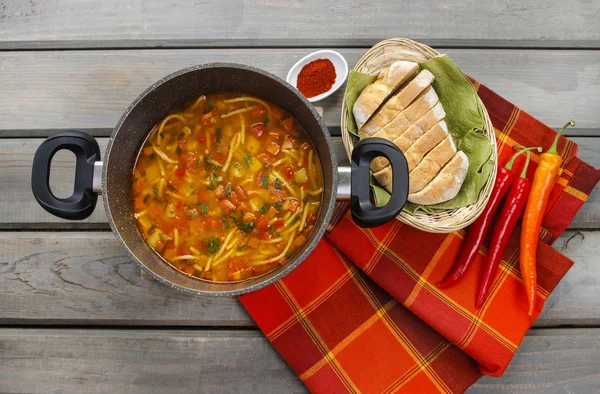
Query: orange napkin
[363,313]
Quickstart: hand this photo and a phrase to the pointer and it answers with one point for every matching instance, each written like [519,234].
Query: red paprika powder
[316,77]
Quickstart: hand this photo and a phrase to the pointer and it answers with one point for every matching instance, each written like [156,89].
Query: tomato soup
[227,188]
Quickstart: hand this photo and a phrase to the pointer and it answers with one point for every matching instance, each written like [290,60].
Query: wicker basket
[441,221]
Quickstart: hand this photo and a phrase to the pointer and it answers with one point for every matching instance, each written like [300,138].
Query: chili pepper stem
[510,163]
[552,149]
[524,172]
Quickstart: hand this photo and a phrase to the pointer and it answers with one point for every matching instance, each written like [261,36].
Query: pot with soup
[219,179]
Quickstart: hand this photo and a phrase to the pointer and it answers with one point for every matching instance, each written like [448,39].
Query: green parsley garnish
[170,187]
[214,178]
[180,135]
[210,107]
[213,244]
[178,150]
[203,209]
[237,166]
[248,160]
[155,191]
[266,120]
[264,208]
[246,227]
[217,168]
[228,190]
[277,184]
[264,181]
[279,203]
[152,156]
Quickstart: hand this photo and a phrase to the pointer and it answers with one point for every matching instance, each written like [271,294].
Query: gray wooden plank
[45,91]
[141,361]
[153,23]
[576,298]
[19,210]
[156,361]
[588,215]
[550,361]
[87,278]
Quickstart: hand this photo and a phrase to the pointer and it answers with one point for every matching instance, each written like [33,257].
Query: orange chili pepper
[543,181]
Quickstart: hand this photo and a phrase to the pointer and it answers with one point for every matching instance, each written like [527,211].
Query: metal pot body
[112,177]
[174,91]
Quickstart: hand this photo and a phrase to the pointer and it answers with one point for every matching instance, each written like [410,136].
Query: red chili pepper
[509,216]
[478,229]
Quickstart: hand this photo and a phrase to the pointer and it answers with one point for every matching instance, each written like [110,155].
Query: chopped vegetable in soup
[228,188]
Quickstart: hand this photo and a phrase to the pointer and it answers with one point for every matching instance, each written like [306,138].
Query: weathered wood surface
[74,278]
[18,208]
[157,361]
[44,91]
[87,278]
[73,24]
[141,361]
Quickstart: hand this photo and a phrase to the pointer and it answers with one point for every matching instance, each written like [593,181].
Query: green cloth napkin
[465,123]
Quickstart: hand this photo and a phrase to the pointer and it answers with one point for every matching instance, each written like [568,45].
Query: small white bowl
[341,71]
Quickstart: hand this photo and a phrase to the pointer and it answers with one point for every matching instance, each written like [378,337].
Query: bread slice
[446,184]
[397,103]
[409,116]
[426,122]
[416,152]
[425,143]
[384,178]
[431,164]
[387,83]
[416,130]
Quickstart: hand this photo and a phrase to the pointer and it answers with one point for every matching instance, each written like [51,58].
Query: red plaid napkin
[363,314]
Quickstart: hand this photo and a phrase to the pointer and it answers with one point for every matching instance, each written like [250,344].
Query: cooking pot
[112,177]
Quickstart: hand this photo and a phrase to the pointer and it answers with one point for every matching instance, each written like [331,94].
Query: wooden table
[75,314]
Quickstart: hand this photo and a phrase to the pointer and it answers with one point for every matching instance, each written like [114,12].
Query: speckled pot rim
[290,264]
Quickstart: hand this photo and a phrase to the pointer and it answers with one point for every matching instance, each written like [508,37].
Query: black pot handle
[82,202]
[364,213]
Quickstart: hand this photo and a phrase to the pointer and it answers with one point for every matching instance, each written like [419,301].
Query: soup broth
[227,188]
